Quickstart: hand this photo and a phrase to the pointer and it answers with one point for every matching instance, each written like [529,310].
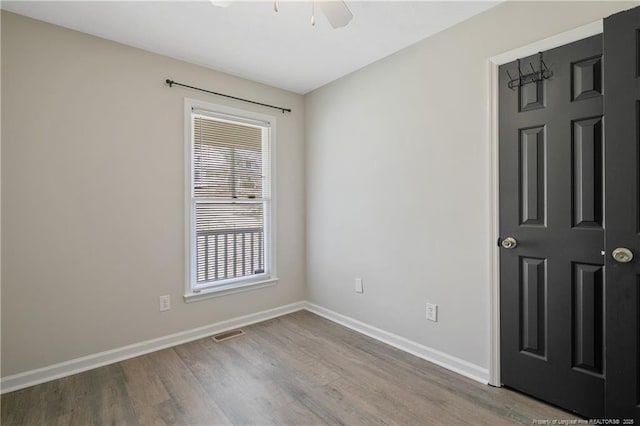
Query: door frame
[494,63]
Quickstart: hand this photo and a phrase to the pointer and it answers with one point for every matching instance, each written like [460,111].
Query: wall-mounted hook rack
[542,73]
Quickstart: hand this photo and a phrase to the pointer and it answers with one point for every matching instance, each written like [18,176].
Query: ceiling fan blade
[337,13]
[220,3]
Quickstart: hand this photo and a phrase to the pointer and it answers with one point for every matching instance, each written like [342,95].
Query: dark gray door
[552,204]
[622,108]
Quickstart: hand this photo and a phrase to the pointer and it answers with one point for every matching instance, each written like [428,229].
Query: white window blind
[230,199]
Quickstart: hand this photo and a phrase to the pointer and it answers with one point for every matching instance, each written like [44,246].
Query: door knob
[509,243]
[622,255]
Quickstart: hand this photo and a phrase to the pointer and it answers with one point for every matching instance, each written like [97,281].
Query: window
[230,208]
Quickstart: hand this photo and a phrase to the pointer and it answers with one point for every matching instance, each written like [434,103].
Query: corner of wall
[1,321]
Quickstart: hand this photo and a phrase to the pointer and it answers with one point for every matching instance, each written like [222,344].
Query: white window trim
[240,285]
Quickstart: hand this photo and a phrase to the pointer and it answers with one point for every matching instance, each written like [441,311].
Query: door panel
[587,173]
[532,176]
[533,312]
[622,107]
[587,78]
[551,202]
[588,318]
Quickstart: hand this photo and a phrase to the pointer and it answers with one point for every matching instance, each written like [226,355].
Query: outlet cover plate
[165,302]
[432,312]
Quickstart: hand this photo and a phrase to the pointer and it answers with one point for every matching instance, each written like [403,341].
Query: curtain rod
[171,83]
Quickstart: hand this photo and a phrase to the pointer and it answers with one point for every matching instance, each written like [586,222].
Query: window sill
[229,289]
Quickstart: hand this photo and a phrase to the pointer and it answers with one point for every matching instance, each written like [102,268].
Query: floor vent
[227,335]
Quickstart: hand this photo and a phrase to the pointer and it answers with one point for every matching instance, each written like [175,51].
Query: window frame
[194,291]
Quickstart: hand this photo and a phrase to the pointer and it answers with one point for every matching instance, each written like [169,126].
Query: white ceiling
[250,40]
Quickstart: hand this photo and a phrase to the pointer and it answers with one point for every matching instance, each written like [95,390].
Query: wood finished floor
[299,369]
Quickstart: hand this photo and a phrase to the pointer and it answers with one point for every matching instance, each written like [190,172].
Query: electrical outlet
[165,302]
[359,288]
[432,312]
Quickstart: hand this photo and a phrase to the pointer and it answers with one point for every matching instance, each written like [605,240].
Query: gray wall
[92,195]
[397,166]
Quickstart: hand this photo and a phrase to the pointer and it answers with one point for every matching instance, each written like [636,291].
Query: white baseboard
[442,359]
[78,365]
